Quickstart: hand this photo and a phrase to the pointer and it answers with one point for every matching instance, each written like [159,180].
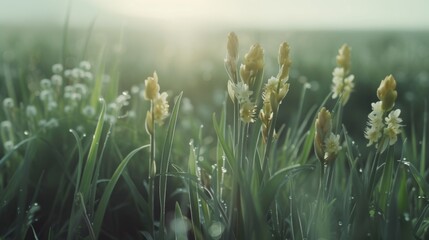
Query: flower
[8,103]
[160,108]
[332,146]
[242,92]
[247,112]
[57,68]
[31,111]
[57,80]
[375,124]
[85,65]
[151,90]
[326,143]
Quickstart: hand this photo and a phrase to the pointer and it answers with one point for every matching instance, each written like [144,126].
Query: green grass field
[90,149]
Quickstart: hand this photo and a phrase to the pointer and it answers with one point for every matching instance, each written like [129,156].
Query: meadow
[156,133]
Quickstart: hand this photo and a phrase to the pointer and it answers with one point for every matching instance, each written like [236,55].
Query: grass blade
[165,161]
[101,209]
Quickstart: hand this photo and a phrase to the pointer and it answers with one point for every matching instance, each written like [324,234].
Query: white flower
[52,123]
[57,80]
[338,72]
[88,111]
[242,92]
[122,100]
[45,84]
[85,65]
[342,86]
[393,120]
[6,125]
[160,108]
[88,76]
[57,68]
[373,135]
[51,106]
[332,145]
[31,111]
[8,146]
[135,89]
[8,103]
[375,124]
[46,95]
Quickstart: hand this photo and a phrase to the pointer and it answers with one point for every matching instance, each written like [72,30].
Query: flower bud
[254,59]
[323,130]
[232,46]
[284,61]
[151,90]
[386,92]
[343,58]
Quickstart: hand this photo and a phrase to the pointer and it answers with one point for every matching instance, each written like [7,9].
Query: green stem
[151,173]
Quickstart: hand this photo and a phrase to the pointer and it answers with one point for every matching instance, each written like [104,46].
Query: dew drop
[26,133]
[340,223]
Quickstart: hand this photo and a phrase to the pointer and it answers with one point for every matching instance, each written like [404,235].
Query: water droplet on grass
[340,223]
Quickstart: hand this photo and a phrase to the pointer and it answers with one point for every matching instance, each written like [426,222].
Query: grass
[74,166]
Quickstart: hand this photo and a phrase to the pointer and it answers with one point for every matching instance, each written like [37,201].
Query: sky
[275,14]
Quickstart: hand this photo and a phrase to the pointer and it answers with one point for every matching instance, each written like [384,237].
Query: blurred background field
[192,60]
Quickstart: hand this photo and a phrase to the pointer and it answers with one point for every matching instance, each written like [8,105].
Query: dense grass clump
[86,156]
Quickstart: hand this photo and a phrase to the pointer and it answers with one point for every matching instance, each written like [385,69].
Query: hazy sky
[327,14]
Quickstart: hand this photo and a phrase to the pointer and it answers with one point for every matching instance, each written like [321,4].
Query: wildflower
[151,90]
[232,56]
[343,58]
[326,144]
[379,131]
[57,80]
[85,65]
[160,108]
[342,85]
[284,61]
[386,92]
[88,111]
[8,103]
[135,89]
[242,92]
[46,95]
[275,90]
[332,147]
[52,123]
[30,111]
[57,68]
[8,145]
[393,126]
[52,105]
[247,112]
[87,76]
[122,100]
[45,84]
[375,125]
